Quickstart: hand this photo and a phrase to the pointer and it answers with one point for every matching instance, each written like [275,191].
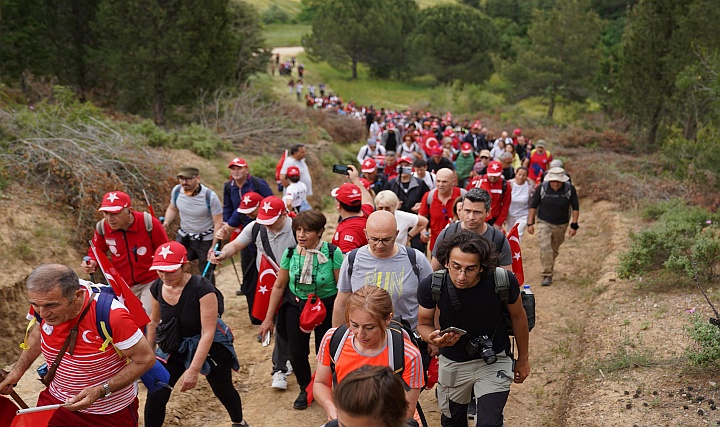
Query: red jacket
[131,250]
[500,200]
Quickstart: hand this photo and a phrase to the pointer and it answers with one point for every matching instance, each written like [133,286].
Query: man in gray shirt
[473,210]
[200,212]
[385,264]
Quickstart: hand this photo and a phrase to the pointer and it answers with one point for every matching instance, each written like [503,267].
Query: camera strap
[68,345]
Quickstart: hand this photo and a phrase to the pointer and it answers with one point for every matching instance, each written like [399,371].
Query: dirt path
[290,51]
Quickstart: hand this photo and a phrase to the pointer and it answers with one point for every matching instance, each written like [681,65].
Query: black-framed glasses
[385,241]
[470,272]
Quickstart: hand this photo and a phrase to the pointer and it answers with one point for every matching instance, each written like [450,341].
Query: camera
[483,346]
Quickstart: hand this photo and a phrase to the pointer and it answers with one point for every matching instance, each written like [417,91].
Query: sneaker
[547,280]
[242,423]
[289,368]
[279,381]
[472,409]
[239,292]
[301,401]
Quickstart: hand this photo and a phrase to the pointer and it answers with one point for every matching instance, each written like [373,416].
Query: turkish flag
[122,290]
[517,266]
[34,419]
[428,143]
[7,411]
[267,273]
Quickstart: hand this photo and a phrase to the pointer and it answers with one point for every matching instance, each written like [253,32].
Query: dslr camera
[483,346]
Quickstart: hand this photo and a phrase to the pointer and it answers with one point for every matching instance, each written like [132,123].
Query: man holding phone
[480,359]
[355,204]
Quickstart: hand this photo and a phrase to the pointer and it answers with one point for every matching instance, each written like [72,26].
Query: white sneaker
[279,381]
[289,368]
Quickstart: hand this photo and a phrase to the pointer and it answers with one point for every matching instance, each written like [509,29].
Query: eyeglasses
[184,178]
[385,241]
[470,272]
[484,157]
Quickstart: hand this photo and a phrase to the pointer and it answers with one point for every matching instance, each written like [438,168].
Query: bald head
[444,181]
[380,222]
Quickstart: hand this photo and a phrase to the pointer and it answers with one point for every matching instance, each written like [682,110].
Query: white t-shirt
[304,171]
[296,193]
[405,221]
[520,202]
[428,178]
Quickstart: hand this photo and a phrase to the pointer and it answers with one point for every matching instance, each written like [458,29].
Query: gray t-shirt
[394,274]
[195,217]
[491,233]
[278,242]
[304,171]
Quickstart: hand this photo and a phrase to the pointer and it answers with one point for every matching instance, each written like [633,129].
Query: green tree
[346,33]
[562,57]
[161,53]
[252,54]
[23,26]
[460,51]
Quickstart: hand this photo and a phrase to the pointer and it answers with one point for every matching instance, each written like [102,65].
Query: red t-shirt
[440,214]
[350,233]
[500,202]
[88,366]
[538,163]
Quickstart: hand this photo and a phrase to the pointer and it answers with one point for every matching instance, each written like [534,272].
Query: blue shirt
[232,194]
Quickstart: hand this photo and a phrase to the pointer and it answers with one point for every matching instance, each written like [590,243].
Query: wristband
[574,225]
[528,225]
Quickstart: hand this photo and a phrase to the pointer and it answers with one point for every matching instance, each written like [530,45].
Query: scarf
[306,272]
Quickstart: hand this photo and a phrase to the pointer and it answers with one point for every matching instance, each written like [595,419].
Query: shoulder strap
[175,194]
[502,285]
[100,227]
[255,231]
[438,277]
[431,194]
[412,256]
[501,245]
[148,223]
[397,358]
[256,183]
[543,189]
[331,251]
[208,198]
[68,345]
[568,190]
[290,252]
[266,243]
[102,318]
[336,341]
[504,187]
[351,261]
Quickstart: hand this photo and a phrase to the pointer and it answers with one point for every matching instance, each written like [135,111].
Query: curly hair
[470,243]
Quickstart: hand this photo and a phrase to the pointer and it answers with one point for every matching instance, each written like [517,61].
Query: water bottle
[526,290]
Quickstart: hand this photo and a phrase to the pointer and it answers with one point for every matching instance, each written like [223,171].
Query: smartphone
[453,329]
[340,169]
[266,339]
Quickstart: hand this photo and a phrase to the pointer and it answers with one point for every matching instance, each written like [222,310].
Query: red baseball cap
[494,168]
[249,202]
[270,210]
[369,165]
[466,148]
[517,132]
[237,161]
[448,132]
[348,194]
[475,125]
[391,126]
[292,171]
[115,201]
[169,257]
[405,159]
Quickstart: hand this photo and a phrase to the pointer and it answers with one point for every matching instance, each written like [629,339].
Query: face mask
[406,170]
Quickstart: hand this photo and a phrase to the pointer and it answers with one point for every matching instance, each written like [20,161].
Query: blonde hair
[374,301]
[387,196]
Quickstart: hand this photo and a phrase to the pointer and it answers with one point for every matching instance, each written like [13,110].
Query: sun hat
[556,174]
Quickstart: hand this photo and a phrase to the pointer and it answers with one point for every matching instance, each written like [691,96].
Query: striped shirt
[88,366]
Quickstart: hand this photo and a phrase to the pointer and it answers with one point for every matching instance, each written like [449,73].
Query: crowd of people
[423,219]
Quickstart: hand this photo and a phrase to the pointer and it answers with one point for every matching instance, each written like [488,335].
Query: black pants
[489,411]
[298,341]
[198,250]
[416,243]
[219,378]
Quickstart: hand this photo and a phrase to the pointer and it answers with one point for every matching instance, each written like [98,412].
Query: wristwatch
[574,225]
[106,387]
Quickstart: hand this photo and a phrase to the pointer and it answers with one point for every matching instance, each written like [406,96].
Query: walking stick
[208,264]
[232,260]
[92,275]
[13,393]
[147,201]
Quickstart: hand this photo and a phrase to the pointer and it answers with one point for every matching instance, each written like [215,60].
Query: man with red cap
[355,204]
[131,239]
[370,172]
[476,138]
[295,197]
[240,183]
[437,161]
[500,191]
[464,164]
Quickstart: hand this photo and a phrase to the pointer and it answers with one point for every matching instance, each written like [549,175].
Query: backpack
[260,229]
[208,197]
[397,329]
[412,256]
[432,192]
[502,289]
[100,225]
[566,186]
[504,185]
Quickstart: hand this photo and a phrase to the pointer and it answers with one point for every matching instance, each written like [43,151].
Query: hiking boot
[279,381]
[239,292]
[547,280]
[289,368]
[301,401]
[472,409]
[242,423]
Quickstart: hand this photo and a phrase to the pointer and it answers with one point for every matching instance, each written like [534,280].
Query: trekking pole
[147,201]
[92,275]
[232,260]
[713,320]
[208,264]
[13,393]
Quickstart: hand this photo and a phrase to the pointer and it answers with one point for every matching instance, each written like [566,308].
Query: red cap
[436,151]
[365,183]
[494,168]
[369,165]
[249,202]
[466,148]
[292,171]
[405,159]
[475,125]
[435,125]
[517,132]
[391,126]
[448,132]
[348,194]
[115,201]
[169,257]
[416,133]
[270,210]
[238,161]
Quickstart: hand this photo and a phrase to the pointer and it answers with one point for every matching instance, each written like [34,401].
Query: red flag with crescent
[267,273]
[517,265]
[121,288]
[7,411]
[428,143]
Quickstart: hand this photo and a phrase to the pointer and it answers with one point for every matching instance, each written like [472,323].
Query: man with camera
[475,351]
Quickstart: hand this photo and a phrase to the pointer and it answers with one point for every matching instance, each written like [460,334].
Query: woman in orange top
[368,313]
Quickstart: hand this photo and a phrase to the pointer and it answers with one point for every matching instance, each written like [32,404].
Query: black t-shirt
[189,319]
[555,207]
[480,313]
[444,163]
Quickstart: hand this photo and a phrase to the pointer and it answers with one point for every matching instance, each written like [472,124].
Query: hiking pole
[713,320]
[13,393]
[147,201]
[208,264]
[232,260]
[92,275]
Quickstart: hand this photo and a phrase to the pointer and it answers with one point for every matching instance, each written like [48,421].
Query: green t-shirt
[323,275]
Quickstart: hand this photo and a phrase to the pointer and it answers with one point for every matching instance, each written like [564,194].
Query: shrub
[201,140]
[154,135]
[706,351]
[275,15]
[264,167]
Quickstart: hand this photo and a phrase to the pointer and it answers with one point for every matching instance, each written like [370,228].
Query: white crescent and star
[263,290]
[268,271]
[514,239]
[517,256]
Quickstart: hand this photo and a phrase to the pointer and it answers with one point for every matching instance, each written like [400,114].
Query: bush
[706,351]
[264,167]
[680,235]
[275,15]
[201,140]
[154,135]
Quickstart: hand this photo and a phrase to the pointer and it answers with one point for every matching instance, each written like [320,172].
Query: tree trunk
[654,126]
[354,69]
[551,108]
[159,103]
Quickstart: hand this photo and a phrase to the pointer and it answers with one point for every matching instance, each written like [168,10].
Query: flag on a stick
[267,273]
[517,265]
